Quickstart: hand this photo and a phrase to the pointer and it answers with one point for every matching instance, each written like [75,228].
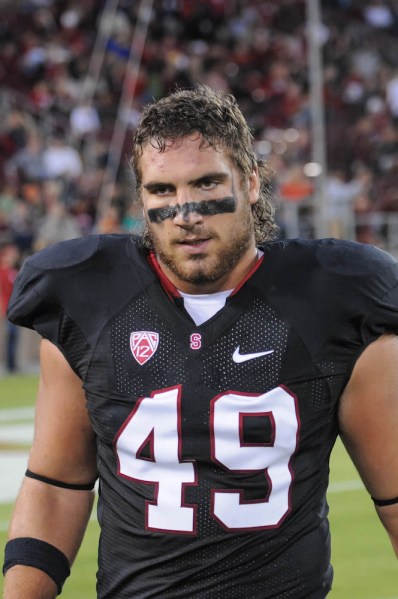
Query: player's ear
[254,186]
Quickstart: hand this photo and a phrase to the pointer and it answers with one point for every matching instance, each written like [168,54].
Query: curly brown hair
[219,120]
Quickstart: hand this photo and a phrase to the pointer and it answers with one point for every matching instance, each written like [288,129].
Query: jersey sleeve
[43,294]
[362,287]
[383,317]
[379,289]
[33,303]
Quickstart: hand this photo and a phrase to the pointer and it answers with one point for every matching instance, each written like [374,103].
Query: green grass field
[364,563]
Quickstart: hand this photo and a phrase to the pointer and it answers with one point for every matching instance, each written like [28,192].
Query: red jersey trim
[247,277]
[167,285]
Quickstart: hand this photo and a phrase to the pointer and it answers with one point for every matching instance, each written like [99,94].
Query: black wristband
[26,551]
[383,502]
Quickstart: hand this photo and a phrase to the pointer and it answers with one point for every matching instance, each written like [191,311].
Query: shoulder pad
[353,259]
[65,254]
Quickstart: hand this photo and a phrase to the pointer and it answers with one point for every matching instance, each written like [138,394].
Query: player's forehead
[193,142]
[185,154]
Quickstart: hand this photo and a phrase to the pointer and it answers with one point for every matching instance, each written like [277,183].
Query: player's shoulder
[328,286]
[352,258]
[328,272]
[337,257]
[71,273]
[97,262]
[76,252]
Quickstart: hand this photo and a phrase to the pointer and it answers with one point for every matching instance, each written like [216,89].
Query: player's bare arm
[63,450]
[371,440]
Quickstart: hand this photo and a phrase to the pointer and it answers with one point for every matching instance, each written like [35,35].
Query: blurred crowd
[65,65]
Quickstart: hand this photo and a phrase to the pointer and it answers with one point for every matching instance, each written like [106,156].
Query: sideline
[16,428]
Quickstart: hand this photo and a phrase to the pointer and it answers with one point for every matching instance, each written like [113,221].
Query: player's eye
[161,190]
[208,184]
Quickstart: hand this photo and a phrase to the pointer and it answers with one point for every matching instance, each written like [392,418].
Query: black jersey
[213,440]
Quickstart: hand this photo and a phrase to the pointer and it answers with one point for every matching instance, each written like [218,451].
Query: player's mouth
[194,245]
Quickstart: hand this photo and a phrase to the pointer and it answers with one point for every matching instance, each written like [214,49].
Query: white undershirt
[204,306]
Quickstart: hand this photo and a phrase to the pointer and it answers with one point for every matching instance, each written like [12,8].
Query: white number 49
[155,422]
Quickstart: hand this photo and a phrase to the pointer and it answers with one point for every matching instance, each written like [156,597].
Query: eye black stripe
[205,207]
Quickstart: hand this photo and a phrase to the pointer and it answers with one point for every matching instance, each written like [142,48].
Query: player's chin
[202,271]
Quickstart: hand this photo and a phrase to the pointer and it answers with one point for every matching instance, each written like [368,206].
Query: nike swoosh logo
[239,358]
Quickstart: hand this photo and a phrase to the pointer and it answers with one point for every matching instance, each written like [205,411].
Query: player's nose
[187,213]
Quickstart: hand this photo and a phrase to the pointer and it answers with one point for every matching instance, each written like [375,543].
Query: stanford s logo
[143,345]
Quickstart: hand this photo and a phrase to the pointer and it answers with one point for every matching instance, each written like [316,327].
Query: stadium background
[74,76]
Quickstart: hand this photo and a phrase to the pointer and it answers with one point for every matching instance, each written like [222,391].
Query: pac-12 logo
[143,345]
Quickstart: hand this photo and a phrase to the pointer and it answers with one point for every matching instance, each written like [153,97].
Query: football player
[202,374]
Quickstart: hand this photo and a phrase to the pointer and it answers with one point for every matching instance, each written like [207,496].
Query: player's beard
[200,269]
